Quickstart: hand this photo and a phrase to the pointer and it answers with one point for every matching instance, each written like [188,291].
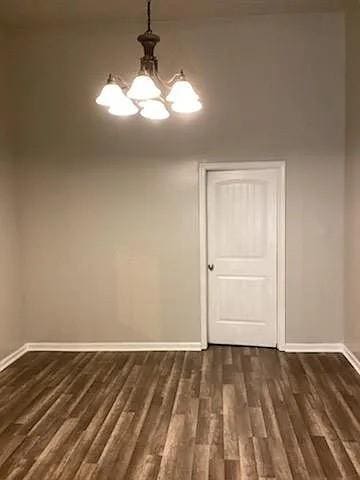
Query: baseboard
[113,347]
[351,358]
[313,347]
[160,347]
[7,361]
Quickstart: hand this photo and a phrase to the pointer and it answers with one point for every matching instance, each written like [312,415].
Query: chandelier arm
[122,82]
[162,82]
[174,78]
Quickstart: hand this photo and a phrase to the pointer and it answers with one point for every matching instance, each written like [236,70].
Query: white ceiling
[20,12]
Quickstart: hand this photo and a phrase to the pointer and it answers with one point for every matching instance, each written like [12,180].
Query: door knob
[211,267]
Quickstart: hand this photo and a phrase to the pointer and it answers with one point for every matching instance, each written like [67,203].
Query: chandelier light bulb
[191,106]
[109,95]
[123,108]
[143,88]
[182,91]
[154,110]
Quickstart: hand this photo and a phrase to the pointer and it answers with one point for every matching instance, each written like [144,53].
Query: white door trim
[219,166]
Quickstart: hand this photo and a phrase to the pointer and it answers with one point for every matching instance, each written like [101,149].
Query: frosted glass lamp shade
[143,88]
[123,108]
[154,110]
[110,94]
[186,106]
[182,91]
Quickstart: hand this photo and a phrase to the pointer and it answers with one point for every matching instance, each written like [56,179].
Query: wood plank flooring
[222,414]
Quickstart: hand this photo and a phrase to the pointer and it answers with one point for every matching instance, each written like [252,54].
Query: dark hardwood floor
[226,413]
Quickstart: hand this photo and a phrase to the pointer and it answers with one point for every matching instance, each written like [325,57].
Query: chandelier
[148,93]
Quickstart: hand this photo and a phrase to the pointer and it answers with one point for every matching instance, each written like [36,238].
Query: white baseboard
[313,347]
[161,347]
[113,347]
[351,358]
[7,361]
[324,348]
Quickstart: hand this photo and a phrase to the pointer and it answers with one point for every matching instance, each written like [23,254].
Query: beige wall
[109,206]
[11,334]
[352,242]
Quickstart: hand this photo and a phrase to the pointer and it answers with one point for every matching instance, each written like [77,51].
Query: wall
[11,332]
[109,206]
[352,246]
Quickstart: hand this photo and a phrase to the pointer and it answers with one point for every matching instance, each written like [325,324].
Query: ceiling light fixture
[148,93]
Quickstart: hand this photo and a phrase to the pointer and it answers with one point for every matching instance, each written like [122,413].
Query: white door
[242,257]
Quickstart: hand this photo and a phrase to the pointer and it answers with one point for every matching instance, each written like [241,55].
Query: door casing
[280,166]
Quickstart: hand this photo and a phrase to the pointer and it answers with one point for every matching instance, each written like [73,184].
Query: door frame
[204,168]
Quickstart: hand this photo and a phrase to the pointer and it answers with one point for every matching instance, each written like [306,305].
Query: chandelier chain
[149,15]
